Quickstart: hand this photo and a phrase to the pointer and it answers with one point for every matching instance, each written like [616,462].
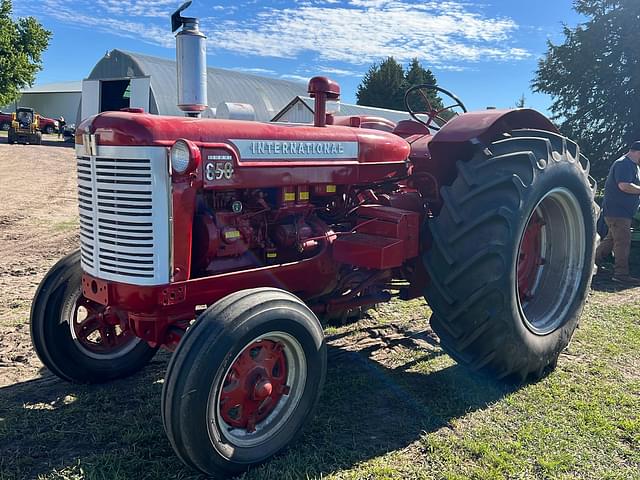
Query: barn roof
[58,87]
[266,95]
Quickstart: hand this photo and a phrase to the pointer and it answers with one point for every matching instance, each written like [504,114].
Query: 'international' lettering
[295,150]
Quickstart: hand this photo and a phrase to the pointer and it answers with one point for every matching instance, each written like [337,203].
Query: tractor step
[369,251]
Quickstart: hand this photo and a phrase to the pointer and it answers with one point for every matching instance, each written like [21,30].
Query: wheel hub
[530,258]
[97,330]
[254,385]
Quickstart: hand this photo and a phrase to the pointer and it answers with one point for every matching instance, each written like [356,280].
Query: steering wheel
[433,113]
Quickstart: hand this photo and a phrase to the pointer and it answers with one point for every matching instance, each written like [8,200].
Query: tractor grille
[123,200]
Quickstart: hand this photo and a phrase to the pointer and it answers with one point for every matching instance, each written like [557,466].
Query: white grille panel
[123,199]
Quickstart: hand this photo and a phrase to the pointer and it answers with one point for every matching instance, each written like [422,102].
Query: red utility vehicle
[231,241]
[5,120]
[48,125]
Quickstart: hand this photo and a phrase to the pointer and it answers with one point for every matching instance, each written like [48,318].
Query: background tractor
[25,127]
[226,241]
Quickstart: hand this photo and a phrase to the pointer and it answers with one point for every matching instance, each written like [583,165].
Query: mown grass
[394,406]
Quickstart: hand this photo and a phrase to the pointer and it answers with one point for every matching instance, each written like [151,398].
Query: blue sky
[486,52]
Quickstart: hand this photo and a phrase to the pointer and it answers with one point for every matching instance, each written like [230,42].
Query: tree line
[593,78]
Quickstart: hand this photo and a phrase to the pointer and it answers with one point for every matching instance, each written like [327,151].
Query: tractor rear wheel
[243,381]
[77,339]
[512,255]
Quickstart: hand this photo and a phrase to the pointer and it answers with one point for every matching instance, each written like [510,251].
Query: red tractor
[231,241]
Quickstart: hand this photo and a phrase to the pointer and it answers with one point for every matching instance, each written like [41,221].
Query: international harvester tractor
[231,242]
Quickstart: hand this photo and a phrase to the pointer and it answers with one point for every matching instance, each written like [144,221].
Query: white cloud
[149,33]
[338,71]
[254,70]
[438,33]
[442,34]
[297,78]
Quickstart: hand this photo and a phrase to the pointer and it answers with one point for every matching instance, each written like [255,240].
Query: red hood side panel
[129,129]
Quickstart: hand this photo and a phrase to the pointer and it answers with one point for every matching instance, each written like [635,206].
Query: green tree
[385,85]
[521,102]
[594,79]
[21,45]
[382,86]
[417,75]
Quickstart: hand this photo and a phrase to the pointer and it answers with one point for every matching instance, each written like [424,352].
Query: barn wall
[53,104]
[296,113]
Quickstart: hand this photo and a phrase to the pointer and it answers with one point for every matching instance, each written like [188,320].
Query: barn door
[140,88]
[90,98]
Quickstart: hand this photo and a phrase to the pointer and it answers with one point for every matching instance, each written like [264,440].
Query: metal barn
[125,79]
[52,100]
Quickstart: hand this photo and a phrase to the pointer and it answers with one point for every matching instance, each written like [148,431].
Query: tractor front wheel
[77,339]
[512,255]
[243,381]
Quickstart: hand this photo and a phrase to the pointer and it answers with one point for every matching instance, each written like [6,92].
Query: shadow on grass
[59,430]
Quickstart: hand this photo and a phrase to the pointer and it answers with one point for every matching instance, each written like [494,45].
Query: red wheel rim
[98,331]
[254,385]
[530,258]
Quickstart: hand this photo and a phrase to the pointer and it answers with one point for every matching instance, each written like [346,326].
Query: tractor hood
[252,141]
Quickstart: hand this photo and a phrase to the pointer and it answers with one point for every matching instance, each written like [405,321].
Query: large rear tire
[243,381]
[73,336]
[512,255]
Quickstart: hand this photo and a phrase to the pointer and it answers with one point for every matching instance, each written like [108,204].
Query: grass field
[394,405]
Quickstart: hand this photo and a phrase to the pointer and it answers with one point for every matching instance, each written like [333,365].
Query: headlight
[180,156]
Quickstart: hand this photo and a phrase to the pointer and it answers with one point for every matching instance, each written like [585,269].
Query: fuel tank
[284,153]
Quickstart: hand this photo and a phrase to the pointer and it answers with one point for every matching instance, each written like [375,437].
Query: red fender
[458,138]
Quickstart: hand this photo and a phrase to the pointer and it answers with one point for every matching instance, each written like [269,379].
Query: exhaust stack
[191,59]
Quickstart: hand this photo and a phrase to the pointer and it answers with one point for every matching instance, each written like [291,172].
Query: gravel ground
[38,225]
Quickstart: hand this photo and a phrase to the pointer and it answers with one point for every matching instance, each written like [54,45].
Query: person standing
[621,201]
[61,124]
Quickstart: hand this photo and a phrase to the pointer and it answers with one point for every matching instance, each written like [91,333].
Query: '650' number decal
[218,171]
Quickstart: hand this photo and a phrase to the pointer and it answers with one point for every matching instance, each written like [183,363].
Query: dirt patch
[38,195]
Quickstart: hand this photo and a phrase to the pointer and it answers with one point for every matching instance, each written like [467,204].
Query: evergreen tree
[521,102]
[417,75]
[385,85]
[21,45]
[382,86]
[594,79]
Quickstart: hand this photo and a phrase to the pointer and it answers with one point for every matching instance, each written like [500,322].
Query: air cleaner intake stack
[191,59]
